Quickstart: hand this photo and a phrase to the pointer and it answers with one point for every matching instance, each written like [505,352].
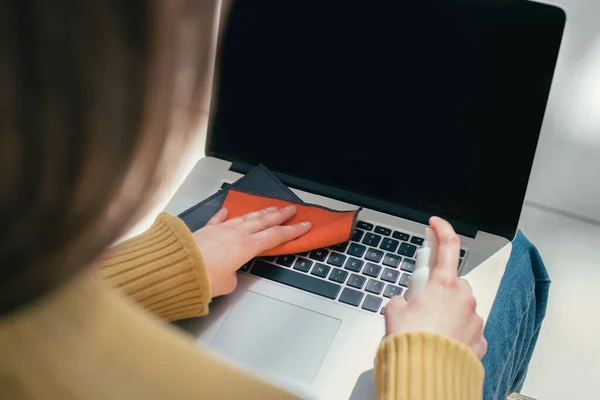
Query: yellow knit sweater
[87,341]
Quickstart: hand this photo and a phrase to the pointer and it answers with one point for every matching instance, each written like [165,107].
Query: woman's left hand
[227,245]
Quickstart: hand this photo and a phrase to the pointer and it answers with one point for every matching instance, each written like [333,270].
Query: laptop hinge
[358,199]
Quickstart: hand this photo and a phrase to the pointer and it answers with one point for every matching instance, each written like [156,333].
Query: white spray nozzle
[430,239]
[425,257]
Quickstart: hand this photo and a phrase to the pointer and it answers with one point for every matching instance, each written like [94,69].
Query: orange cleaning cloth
[329,227]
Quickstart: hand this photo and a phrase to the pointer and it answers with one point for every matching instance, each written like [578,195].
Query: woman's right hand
[446,305]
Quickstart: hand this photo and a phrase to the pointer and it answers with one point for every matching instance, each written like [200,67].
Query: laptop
[405,109]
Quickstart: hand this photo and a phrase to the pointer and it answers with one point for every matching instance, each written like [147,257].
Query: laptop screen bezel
[337,193]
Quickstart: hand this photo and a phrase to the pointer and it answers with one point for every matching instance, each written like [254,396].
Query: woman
[96,99]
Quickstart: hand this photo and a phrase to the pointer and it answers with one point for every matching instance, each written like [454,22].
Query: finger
[466,292]
[393,308]
[480,347]
[269,220]
[250,216]
[473,331]
[277,235]
[466,287]
[219,217]
[396,303]
[448,251]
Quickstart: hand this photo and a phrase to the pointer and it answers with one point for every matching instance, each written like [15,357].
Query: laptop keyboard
[363,273]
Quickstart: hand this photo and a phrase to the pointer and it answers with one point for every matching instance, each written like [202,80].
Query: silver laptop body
[310,341]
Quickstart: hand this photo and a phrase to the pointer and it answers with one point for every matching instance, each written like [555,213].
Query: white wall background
[563,215]
[566,174]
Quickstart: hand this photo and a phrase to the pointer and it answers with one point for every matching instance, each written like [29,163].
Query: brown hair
[90,91]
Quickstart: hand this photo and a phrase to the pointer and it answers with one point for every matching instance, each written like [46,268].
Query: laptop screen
[436,106]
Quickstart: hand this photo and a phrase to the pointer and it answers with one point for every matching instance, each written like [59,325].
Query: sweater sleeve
[161,269]
[421,365]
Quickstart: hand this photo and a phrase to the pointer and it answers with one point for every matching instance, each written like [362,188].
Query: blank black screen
[436,105]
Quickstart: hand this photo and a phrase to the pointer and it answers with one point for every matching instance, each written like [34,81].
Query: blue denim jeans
[515,320]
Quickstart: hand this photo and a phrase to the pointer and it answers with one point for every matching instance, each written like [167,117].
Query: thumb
[219,217]
[447,253]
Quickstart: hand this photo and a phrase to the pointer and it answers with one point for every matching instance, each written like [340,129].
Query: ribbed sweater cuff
[422,365]
[161,269]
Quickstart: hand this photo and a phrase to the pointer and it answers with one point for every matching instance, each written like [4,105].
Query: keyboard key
[391,290]
[408,265]
[372,270]
[407,250]
[459,262]
[374,255]
[372,239]
[357,235]
[417,240]
[286,260]
[340,247]
[383,231]
[303,254]
[302,264]
[356,281]
[364,225]
[320,270]
[390,275]
[354,264]
[372,303]
[269,258]
[338,275]
[225,184]
[351,296]
[400,236]
[388,244]
[463,252]
[391,260]
[295,279]
[246,266]
[356,250]
[319,254]
[404,279]
[336,259]
[374,286]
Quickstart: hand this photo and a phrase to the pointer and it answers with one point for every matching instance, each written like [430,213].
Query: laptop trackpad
[276,336]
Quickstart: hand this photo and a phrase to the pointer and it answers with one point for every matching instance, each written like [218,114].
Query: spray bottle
[426,256]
